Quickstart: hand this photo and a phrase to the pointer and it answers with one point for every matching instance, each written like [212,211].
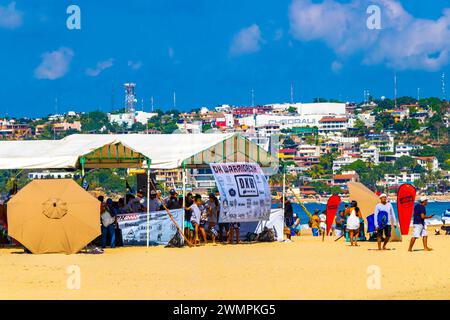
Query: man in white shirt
[195,218]
[384,218]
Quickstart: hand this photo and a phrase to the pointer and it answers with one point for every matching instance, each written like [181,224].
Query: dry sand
[307,268]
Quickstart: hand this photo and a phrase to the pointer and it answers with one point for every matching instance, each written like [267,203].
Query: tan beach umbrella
[366,198]
[54,216]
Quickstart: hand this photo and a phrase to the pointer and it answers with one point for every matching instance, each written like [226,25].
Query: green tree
[94,121]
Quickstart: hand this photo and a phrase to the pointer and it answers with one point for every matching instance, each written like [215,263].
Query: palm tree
[316,171]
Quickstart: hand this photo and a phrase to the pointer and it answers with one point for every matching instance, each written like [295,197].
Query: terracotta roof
[287,150]
[344,176]
[330,119]
[426,158]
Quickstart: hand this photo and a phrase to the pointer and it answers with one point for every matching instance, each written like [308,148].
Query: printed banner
[406,196]
[332,207]
[162,229]
[244,192]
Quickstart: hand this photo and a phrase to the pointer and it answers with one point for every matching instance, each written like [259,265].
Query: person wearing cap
[296,227]
[419,227]
[384,218]
[314,223]
[154,204]
[172,201]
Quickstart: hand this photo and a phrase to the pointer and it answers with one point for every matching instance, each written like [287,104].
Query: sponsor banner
[244,192]
[332,207]
[162,229]
[406,196]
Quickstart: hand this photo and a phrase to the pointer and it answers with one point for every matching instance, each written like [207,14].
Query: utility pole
[292,94]
[174,100]
[395,90]
[253,97]
[444,95]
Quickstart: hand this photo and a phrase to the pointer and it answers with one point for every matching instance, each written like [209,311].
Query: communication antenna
[418,94]
[253,97]
[174,100]
[130,97]
[444,96]
[292,93]
[151,102]
[142,104]
[112,96]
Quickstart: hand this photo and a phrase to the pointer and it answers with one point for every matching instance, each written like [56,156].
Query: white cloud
[336,66]
[54,64]
[404,42]
[247,40]
[135,65]
[10,18]
[100,67]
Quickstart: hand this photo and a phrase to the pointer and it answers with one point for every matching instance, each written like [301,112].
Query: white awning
[165,151]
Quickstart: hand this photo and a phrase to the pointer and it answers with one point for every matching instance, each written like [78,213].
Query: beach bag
[119,237]
[251,236]
[266,235]
[175,242]
[107,219]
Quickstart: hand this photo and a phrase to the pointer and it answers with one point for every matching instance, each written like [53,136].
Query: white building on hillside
[371,153]
[429,163]
[398,179]
[344,160]
[129,119]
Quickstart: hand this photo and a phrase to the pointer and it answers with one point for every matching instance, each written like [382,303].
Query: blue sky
[216,51]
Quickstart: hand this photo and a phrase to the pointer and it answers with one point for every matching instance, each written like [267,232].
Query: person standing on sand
[340,220]
[353,224]
[195,218]
[419,227]
[314,223]
[323,223]
[384,218]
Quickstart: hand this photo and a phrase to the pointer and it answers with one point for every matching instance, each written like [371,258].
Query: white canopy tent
[168,151]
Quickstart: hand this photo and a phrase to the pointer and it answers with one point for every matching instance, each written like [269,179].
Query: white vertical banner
[244,192]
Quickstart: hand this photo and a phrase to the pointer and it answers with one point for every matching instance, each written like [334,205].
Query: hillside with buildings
[320,145]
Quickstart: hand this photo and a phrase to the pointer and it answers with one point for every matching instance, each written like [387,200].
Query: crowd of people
[350,223]
[201,216]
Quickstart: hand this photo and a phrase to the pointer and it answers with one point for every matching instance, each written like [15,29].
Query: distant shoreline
[392,198]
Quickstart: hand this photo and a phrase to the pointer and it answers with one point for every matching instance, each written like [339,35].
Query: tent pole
[284,191]
[82,161]
[148,202]
[184,175]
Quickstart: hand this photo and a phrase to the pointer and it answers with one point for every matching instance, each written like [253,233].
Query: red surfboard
[332,207]
[406,195]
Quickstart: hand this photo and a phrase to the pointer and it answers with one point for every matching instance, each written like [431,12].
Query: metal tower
[130,97]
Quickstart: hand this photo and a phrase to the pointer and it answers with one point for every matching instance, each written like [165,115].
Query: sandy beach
[307,268]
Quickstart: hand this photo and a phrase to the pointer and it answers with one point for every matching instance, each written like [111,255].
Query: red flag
[332,207]
[406,196]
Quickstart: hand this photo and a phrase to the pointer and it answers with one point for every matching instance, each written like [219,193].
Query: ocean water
[436,208]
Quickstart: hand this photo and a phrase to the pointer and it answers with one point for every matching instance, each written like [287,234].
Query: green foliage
[292,110]
[94,121]
[109,179]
